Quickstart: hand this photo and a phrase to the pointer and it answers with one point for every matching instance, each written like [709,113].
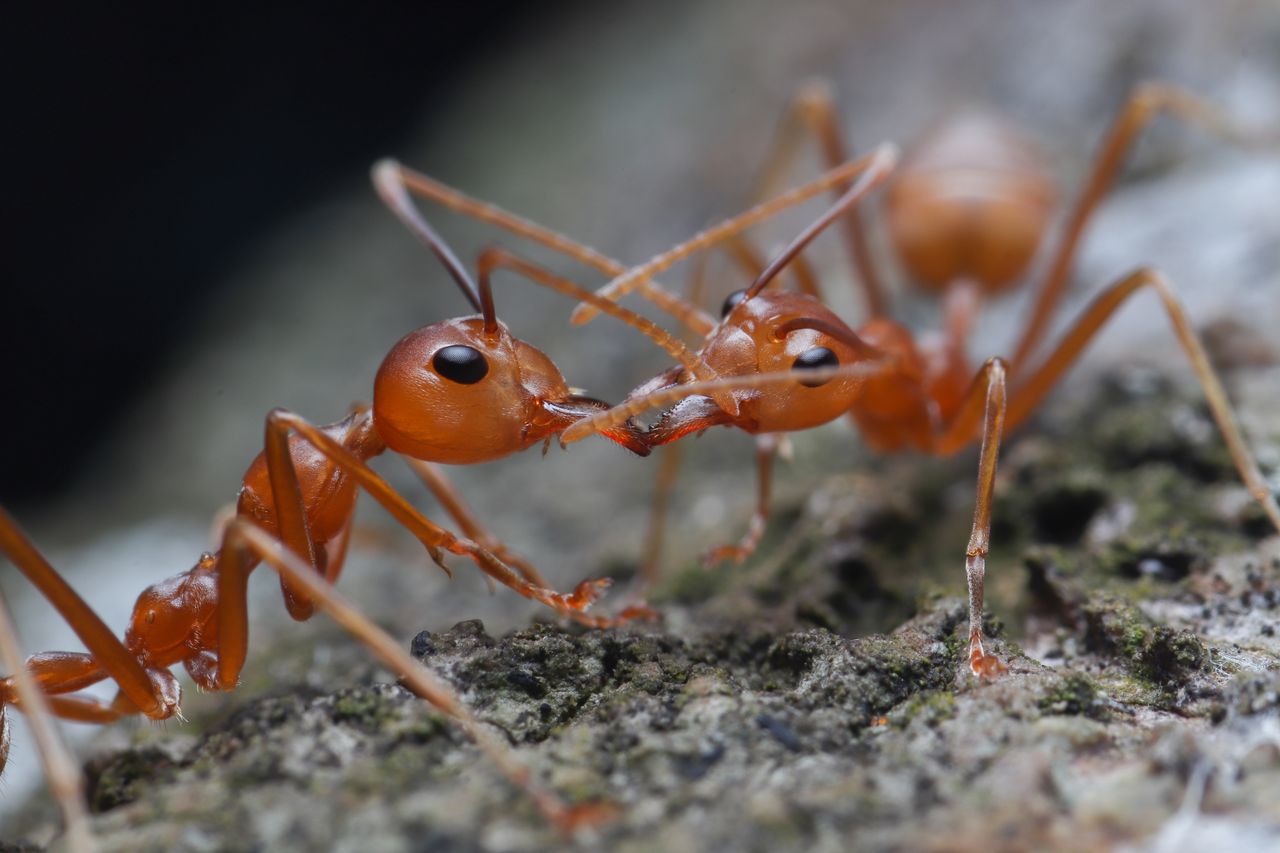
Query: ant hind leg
[66,780]
[1028,392]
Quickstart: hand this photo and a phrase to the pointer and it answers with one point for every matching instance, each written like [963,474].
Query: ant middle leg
[1143,104]
[812,110]
[766,450]
[1030,390]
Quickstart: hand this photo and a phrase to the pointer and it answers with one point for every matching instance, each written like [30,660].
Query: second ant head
[774,331]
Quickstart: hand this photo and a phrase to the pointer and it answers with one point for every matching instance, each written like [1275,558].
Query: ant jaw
[578,407]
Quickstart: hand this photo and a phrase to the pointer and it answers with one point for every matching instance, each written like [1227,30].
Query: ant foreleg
[253,543]
[1144,103]
[766,449]
[985,401]
[433,536]
[812,110]
[66,780]
[1031,389]
[433,477]
[869,171]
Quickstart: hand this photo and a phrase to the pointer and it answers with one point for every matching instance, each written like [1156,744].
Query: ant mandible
[967,213]
[461,392]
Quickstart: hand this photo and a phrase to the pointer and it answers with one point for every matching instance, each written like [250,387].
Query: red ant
[462,391]
[967,213]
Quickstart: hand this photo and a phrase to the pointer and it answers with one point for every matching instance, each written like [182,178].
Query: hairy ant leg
[1029,390]
[252,543]
[66,780]
[862,175]
[812,110]
[1143,104]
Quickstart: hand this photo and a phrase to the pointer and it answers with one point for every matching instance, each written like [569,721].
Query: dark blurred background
[149,149]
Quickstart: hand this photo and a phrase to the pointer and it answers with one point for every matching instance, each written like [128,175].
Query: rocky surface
[817,698]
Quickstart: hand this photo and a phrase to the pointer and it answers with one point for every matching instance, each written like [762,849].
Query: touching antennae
[388,180]
[882,163]
[495,257]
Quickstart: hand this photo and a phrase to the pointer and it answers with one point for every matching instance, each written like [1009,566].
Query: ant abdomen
[971,202]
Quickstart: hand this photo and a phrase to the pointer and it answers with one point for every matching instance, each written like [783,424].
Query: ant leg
[419,184]
[1028,392]
[66,780]
[667,395]
[147,689]
[870,171]
[436,539]
[766,448]
[812,110]
[1143,104]
[668,468]
[659,510]
[433,476]
[245,537]
[985,401]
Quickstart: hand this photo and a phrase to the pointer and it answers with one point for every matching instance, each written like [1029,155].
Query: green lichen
[1156,653]
[1075,694]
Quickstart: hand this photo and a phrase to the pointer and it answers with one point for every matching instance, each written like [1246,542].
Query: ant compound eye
[732,301]
[812,360]
[460,364]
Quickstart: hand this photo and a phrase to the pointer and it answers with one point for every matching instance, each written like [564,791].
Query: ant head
[773,331]
[459,392]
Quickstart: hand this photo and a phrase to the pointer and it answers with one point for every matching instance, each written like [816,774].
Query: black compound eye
[460,364]
[731,301]
[812,359]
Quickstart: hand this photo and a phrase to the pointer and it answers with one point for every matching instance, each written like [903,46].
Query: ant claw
[724,553]
[586,594]
[437,557]
[986,667]
[571,819]
[638,612]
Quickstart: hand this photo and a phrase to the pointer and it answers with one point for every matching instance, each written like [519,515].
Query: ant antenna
[388,180]
[882,163]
